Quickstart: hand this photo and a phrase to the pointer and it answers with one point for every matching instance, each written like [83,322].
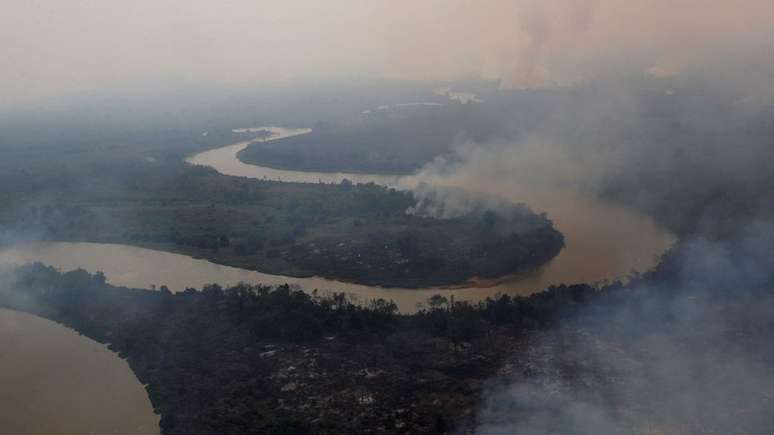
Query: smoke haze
[48,47]
[664,106]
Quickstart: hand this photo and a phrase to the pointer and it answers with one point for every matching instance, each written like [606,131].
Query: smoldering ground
[685,355]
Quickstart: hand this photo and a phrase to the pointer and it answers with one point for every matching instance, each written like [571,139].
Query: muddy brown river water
[56,382]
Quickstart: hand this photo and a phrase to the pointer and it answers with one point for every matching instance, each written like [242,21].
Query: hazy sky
[48,47]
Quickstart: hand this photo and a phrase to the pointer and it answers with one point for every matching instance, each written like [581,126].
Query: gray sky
[49,47]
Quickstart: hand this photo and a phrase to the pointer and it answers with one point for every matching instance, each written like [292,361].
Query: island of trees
[355,232]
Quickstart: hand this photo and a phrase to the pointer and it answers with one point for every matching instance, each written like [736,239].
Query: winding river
[603,241]
[57,382]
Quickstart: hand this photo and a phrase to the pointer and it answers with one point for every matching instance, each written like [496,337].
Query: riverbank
[136,267]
